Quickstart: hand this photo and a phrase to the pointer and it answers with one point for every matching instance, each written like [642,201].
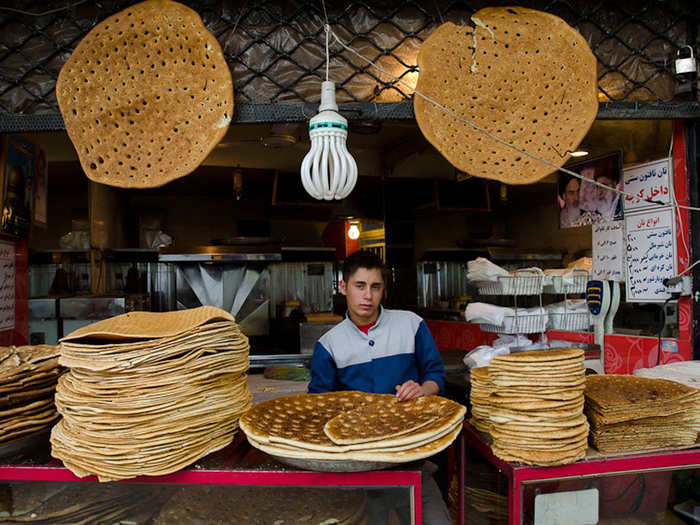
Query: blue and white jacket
[397,348]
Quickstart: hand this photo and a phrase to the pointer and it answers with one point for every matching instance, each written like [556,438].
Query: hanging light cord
[498,139]
[43,13]
[327,27]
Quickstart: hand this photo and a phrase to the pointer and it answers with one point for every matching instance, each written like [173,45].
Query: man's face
[571,193]
[602,192]
[363,291]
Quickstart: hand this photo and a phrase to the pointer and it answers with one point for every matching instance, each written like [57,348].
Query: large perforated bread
[301,426]
[387,419]
[146,95]
[522,75]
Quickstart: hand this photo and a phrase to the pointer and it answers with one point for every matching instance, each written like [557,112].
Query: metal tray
[333,465]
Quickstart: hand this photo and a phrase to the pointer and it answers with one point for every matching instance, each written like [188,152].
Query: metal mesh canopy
[275,49]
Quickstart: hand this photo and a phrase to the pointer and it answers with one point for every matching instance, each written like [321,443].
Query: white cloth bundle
[486,313]
[569,306]
[483,270]
[686,372]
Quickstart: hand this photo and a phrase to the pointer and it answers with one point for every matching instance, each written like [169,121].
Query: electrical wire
[481,130]
[673,204]
[327,27]
[43,13]
[661,329]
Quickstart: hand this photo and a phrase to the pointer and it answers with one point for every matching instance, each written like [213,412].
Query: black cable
[661,329]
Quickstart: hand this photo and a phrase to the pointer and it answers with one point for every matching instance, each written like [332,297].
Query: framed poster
[17,174]
[582,202]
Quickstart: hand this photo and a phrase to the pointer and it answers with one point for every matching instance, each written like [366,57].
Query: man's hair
[361,259]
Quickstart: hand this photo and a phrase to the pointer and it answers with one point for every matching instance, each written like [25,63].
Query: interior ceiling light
[579,153]
[353,232]
[328,171]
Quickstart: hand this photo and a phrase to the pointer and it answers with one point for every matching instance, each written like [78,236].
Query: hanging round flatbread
[522,75]
[146,95]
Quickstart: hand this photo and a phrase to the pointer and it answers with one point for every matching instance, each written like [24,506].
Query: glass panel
[669,497]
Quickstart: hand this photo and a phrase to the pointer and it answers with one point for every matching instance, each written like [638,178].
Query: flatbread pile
[537,407]
[481,389]
[28,376]
[488,502]
[524,76]
[637,413]
[146,95]
[353,426]
[265,506]
[149,393]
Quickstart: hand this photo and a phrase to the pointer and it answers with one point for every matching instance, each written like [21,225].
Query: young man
[374,349]
[386,352]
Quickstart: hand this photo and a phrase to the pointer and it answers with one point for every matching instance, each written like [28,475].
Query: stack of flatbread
[537,407]
[28,376]
[265,506]
[481,388]
[149,393]
[491,503]
[353,426]
[638,413]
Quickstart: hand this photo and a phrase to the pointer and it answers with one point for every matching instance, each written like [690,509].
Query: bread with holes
[524,76]
[146,95]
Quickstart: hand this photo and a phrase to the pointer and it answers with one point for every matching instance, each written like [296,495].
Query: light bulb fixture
[579,153]
[328,171]
[353,232]
[237,183]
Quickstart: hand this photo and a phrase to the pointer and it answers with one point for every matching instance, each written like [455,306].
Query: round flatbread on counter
[522,75]
[387,418]
[373,428]
[146,95]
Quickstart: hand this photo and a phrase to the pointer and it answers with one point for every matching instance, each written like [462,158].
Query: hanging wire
[328,35]
[499,140]
[437,8]
[43,13]
[327,27]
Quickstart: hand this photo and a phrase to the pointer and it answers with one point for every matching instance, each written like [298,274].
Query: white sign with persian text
[609,251]
[650,239]
[651,180]
[7,286]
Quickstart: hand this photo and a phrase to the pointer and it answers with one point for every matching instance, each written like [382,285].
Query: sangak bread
[522,75]
[632,413]
[386,418]
[146,95]
[297,426]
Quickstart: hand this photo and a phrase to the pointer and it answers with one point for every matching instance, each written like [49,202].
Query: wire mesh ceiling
[276,50]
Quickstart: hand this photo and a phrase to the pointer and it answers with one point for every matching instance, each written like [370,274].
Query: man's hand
[410,390]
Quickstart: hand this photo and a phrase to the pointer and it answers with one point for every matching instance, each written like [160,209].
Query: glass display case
[639,488]
[237,484]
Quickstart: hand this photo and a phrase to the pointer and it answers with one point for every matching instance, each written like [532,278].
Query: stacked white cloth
[571,314]
[484,313]
[686,372]
[567,275]
[483,270]
[522,320]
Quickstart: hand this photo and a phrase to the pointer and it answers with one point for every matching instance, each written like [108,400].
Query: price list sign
[647,181]
[609,251]
[650,241]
